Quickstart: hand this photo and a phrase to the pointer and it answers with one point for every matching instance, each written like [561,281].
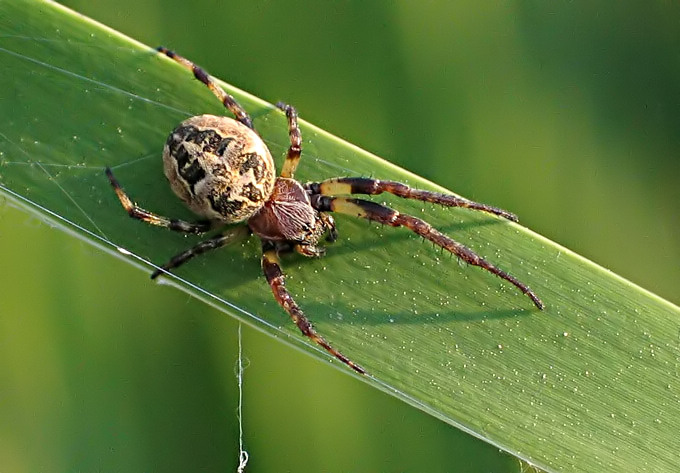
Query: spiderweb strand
[242,454]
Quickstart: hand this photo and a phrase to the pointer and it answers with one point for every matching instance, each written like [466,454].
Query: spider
[223,171]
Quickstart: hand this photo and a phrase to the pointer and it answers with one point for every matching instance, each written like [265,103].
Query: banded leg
[362,185]
[387,216]
[223,239]
[295,148]
[200,74]
[276,279]
[139,213]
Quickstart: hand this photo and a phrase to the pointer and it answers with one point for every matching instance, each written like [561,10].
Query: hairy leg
[218,241]
[362,185]
[385,215]
[276,279]
[226,99]
[295,148]
[151,218]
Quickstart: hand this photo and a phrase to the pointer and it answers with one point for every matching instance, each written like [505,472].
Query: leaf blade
[450,348]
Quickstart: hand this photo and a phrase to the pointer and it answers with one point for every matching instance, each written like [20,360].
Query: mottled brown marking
[209,140]
[251,161]
[224,144]
[219,167]
[252,193]
[224,205]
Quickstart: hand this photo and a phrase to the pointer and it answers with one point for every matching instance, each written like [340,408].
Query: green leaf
[582,386]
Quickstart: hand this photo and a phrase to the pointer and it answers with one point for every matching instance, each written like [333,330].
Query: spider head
[288,215]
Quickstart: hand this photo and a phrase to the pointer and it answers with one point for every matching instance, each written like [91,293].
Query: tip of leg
[332,236]
[510,216]
[112,178]
[537,302]
[357,368]
[156,273]
[166,51]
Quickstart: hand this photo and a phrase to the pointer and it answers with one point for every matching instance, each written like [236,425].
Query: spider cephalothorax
[223,171]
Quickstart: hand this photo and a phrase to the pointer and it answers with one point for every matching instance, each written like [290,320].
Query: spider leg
[385,215]
[310,251]
[218,241]
[332,229]
[362,185]
[139,213]
[276,279]
[226,99]
[295,148]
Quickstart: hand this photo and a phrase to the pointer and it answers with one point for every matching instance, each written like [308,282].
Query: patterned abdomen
[219,167]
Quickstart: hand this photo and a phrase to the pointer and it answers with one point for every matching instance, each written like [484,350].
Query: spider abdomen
[221,168]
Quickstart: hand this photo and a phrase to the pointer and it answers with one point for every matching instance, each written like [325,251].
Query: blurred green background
[567,115]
